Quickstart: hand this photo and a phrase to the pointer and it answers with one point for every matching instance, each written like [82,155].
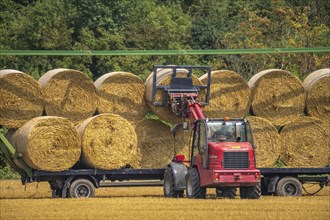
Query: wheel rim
[167,186]
[82,191]
[290,189]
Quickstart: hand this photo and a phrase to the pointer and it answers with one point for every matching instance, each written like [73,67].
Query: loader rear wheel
[288,186]
[81,188]
[226,192]
[194,189]
[169,187]
[251,192]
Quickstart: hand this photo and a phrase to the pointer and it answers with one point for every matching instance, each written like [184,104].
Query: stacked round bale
[317,86]
[305,143]
[21,98]
[47,143]
[229,95]
[277,95]
[69,93]
[266,140]
[108,141]
[155,143]
[122,93]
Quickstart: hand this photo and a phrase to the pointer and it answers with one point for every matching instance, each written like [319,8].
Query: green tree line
[164,25]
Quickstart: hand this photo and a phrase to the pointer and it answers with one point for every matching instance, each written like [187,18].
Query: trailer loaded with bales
[113,148]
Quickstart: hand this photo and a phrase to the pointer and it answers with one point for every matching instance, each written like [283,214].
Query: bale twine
[155,142]
[317,85]
[48,143]
[277,95]
[305,143]
[21,98]
[164,78]
[266,140]
[122,93]
[229,93]
[108,142]
[69,93]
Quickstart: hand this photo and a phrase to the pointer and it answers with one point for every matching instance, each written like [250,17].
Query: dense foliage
[163,24]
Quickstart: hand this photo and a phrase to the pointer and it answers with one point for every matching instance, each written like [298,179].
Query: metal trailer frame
[271,178]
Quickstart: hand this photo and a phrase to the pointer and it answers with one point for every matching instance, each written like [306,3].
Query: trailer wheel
[251,192]
[168,188]
[194,189]
[226,192]
[81,188]
[288,186]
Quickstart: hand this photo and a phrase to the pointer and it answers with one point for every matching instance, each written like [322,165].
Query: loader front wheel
[169,187]
[194,189]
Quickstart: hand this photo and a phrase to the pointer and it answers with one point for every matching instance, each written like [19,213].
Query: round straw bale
[305,143]
[266,140]
[317,85]
[21,98]
[164,78]
[69,93]
[229,95]
[183,142]
[48,143]
[277,95]
[122,93]
[155,142]
[108,142]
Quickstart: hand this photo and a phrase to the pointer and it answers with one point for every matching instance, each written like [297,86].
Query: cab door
[200,143]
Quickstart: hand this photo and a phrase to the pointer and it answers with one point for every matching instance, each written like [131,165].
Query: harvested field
[148,203]
[305,143]
[48,143]
[108,142]
[277,95]
[21,98]
[69,93]
[230,95]
[122,93]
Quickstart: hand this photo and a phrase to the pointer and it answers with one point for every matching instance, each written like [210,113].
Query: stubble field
[34,202]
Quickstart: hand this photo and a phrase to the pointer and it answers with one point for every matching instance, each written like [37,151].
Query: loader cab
[216,137]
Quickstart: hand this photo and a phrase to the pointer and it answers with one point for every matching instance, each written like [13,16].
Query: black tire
[81,188]
[168,188]
[194,189]
[251,192]
[288,186]
[226,192]
[264,188]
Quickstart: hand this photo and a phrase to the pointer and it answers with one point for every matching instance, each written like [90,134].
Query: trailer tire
[169,187]
[288,186]
[81,188]
[194,189]
[251,192]
[226,192]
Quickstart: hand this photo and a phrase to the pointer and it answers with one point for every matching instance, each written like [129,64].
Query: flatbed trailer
[82,182]
[274,181]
